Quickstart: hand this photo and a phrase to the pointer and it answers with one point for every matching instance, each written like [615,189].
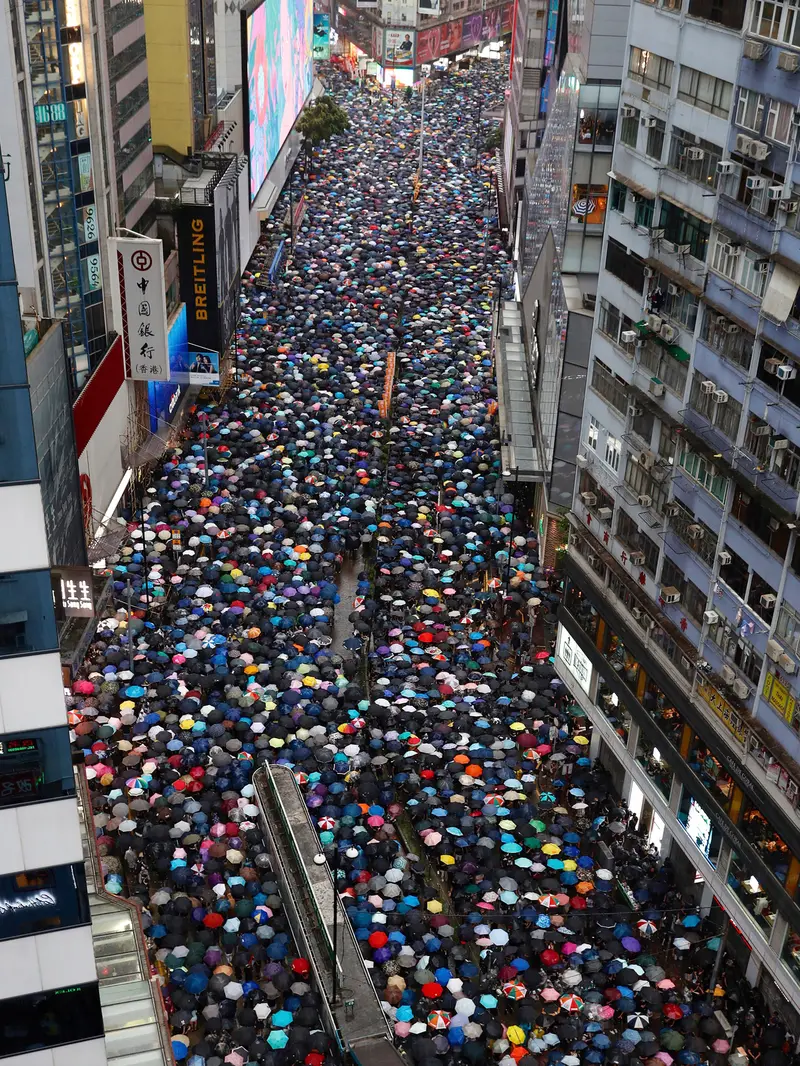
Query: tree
[493,139]
[321,121]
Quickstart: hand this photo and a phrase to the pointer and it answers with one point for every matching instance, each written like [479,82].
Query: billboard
[278,71]
[429,7]
[463,33]
[322,35]
[164,396]
[142,307]
[398,47]
[399,12]
[208,251]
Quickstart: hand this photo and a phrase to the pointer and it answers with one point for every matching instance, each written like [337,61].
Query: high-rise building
[49,992]
[680,631]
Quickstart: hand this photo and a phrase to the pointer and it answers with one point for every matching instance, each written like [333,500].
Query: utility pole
[422,130]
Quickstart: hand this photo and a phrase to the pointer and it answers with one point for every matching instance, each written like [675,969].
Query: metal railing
[96,886]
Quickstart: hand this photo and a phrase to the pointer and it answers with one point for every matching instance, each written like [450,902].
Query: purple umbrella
[630,943]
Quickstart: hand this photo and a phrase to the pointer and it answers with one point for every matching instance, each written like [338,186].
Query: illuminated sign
[142,308]
[72,592]
[21,903]
[45,113]
[779,697]
[199,287]
[18,747]
[574,659]
[698,826]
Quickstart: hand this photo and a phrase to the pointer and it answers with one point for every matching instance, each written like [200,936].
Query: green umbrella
[670,1039]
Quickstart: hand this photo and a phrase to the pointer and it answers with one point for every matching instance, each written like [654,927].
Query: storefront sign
[779,697]
[142,306]
[574,659]
[723,710]
[46,113]
[72,592]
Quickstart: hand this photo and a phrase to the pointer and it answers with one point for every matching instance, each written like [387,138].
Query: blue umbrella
[282,1018]
[179,1050]
[690,922]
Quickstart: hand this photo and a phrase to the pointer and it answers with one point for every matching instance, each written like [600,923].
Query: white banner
[578,664]
[142,307]
[429,7]
[399,12]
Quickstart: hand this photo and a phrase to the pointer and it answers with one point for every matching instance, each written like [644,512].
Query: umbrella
[514,990]
[571,1002]
[439,1019]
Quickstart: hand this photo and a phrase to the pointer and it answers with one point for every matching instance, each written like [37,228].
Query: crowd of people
[481,851]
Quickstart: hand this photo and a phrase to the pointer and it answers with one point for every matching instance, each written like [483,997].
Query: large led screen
[278,72]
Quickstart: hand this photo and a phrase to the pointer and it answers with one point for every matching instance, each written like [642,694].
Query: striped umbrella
[571,1002]
[439,1019]
[646,927]
[548,900]
[514,990]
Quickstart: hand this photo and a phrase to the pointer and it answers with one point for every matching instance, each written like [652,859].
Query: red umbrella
[549,957]
[432,990]
[673,1011]
[213,921]
[578,903]
[378,939]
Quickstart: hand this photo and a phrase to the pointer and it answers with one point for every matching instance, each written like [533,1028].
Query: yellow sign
[778,696]
[723,710]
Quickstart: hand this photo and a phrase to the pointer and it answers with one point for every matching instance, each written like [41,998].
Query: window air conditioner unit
[786,372]
[788,61]
[682,249]
[726,166]
[724,558]
[629,336]
[774,649]
[589,499]
[761,431]
[777,192]
[673,509]
[656,387]
[634,412]
[605,513]
[754,50]
[707,387]
[767,601]
[754,183]
[787,663]
[646,459]
[645,500]
[628,111]
[780,444]
[696,532]
[762,266]
[654,323]
[649,273]
[694,154]
[649,122]
[582,461]
[719,396]
[774,525]
[741,689]
[728,675]
[656,233]
[790,206]
[771,365]
[710,618]
[758,150]
[743,143]
[637,558]
[668,333]
[636,612]
[673,289]
[730,328]
[591,560]
[669,594]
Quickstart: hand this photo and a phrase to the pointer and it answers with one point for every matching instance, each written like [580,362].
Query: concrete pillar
[594,744]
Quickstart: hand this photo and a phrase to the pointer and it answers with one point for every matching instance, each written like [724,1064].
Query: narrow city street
[505,905]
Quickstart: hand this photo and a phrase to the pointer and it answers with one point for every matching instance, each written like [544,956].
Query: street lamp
[320,859]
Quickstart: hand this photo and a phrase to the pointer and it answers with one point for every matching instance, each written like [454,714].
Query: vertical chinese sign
[142,307]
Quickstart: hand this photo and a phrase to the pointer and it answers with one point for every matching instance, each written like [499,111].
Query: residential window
[650,69]
[729,13]
[613,323]
[749,110]
[655,140]
[593,433]
[641,483]
[699,469]
[610,386]
[742,266]
[694,157]
[734,647]
[625,265]
[613,452]
[681,227]
[752,275]
[629,127]
[756,438]
[630,534]
[695,601]
[779,122]
[789,391]
[727,337]
[725,416]
[618,196]
[699,537]
[669,364]
[704,91]
[681,305]
[751,513]
[788,626]
[777,20]
[786,464]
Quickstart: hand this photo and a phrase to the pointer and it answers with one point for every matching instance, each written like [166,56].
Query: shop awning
[781,293]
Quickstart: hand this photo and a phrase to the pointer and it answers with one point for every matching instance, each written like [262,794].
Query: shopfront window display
[751,893]
[658,769]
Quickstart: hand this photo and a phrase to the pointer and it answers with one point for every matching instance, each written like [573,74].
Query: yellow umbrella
[551,849]
[570,864]
[434,906]
[447,860]
[433,592]
[581,740]
[516,1034]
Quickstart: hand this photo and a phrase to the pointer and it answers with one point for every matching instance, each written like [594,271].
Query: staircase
[136,1030]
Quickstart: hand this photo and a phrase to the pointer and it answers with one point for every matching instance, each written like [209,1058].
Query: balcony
[748,225]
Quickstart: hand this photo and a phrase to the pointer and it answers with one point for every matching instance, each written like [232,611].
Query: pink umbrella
[721,1045]
[549,995]
[606,1012]
[666,983]
[665,1057]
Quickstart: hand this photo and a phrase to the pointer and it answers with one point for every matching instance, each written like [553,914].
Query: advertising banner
[398,48]
[428,44]
[377,44]
[451,35]
[72,592]
[429,7]
[322,36]
[471,30]
[142,307]
[164,397]
[399,12]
